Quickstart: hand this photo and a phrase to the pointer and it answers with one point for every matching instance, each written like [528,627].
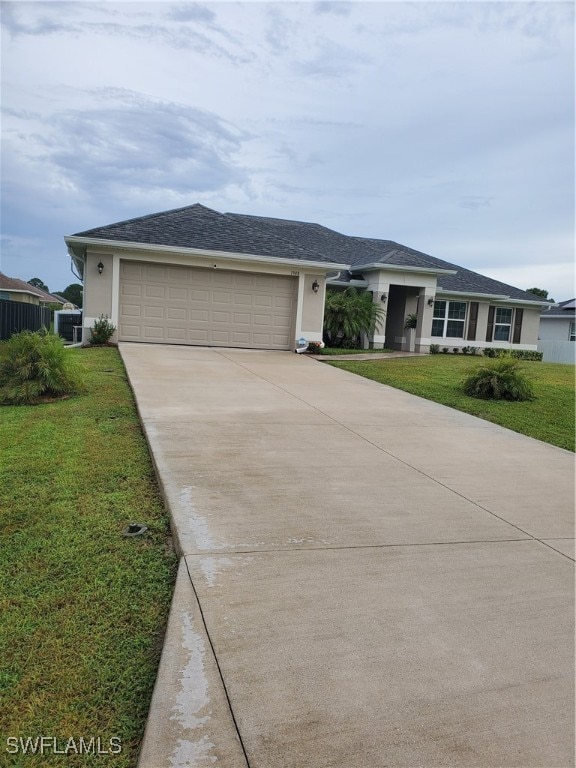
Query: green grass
[342,351]
[550,417]
[83,609]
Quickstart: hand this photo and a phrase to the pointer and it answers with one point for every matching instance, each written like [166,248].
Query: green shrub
[501,380]
[456,350]
[34,366]
[517,354]
[526,354]
[102,331]
[434,349]
[411,321]
[314,348]
[445,350]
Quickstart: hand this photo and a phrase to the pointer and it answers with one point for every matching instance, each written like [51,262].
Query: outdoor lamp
[100,267]
[431,301]
[384,297]
[315,286]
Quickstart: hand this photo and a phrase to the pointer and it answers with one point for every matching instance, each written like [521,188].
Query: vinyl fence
[17,316]
[557,351]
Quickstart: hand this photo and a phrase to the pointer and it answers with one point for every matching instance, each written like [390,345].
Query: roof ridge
[148,216]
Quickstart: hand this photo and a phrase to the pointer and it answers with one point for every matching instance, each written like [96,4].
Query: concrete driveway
[367,579]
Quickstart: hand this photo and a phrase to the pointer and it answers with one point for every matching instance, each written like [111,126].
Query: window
[572,334]
[502,324]
[4,296]
[449,318]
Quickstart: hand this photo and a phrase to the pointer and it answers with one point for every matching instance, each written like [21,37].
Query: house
[23,307]
[557,334]
[12,289]
[197,276]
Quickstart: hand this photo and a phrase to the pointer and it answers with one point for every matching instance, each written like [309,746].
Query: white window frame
[501,324]
[447,319]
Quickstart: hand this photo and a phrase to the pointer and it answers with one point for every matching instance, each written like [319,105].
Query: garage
[172,304]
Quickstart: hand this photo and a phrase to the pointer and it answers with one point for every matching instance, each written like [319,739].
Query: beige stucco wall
[312,314]
[98,288]
[530,326]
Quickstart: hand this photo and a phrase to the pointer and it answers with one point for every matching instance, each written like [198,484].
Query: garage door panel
[176,313]
[177,294]
[191,305]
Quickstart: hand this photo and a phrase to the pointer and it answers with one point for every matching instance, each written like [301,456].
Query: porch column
[425,314]
[377,339]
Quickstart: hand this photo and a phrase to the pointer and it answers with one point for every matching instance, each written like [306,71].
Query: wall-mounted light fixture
[100,267]
[315,286]
[431,301]
[384,297]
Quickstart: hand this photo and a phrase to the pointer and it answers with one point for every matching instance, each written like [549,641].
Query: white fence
[558,351]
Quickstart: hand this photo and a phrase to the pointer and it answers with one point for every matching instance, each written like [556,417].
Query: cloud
[131,142]
[339,8]
[191,12]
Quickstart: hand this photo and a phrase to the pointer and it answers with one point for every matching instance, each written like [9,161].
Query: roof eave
[401,268]
[73,242]
[503,297]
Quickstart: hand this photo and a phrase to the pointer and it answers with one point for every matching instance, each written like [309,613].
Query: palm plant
[501,380]
[34,366]
[348,314]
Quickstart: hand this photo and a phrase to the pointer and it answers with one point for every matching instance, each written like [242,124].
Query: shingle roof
[564,309]
[203,228]
[199,227]
[358,251]
[14,284]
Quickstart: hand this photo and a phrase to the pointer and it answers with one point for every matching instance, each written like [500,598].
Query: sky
[447,127]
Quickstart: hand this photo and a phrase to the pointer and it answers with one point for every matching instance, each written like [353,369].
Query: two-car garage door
[190,305]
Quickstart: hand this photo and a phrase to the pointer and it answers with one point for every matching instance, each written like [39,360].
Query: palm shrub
[35,365]
[348,314]
[500,380]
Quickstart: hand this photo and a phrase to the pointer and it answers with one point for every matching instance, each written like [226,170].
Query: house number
[295,273]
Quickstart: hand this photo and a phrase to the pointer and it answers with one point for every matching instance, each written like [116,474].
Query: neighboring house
[557,335]
[196,276]
[13,289]
[23,307]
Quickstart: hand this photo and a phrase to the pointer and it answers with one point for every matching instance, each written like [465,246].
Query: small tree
[348,314]
[37,365]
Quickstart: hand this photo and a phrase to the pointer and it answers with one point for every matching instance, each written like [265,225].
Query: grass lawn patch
[83,609]
[342,351]
[550,417]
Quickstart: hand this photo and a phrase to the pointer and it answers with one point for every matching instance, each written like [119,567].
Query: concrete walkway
[368,579]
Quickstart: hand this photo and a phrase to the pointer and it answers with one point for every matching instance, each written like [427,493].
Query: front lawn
[83,609]
[343,351]
[437,377]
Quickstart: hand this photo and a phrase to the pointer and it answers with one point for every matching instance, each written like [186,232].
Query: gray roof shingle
[564,309]
[196,226]
[199,227]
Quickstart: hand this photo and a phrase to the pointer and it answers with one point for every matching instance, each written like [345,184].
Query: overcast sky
[448,127]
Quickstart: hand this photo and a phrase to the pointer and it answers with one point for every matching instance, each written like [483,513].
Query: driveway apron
[367,578]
